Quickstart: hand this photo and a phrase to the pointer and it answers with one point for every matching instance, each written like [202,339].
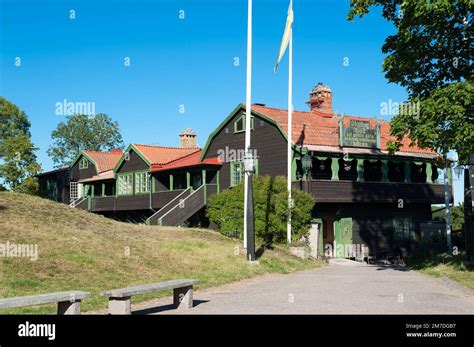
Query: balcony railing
[133,202]
[333,191]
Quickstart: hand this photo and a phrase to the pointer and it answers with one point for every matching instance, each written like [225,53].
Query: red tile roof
[159,155]
[316,128]
[105,161]
[106,175]
[187,161]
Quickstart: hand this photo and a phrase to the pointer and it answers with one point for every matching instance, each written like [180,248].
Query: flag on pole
[286,35]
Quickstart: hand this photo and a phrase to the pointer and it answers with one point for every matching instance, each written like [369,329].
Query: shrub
[226,209]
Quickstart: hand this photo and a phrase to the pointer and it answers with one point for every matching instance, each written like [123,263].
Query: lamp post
[458,170]
[447,209]
[249,168]
[468,222]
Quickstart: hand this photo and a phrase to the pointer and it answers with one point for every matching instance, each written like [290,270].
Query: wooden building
[363,194]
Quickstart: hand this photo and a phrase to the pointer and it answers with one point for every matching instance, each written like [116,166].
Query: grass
[446,265]
[83,251]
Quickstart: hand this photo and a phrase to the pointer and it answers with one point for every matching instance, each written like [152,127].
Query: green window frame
[403,228]
[83,164]
[239,124]
[237,171]
[142,182]
[125,184]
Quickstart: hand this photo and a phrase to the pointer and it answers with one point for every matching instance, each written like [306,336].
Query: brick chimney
[187,139]
[320,99]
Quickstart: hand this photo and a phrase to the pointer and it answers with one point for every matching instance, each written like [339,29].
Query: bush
[226,209]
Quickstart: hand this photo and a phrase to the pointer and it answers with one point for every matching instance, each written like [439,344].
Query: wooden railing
[170,205]
[187,207]
[133,202]
[352,191]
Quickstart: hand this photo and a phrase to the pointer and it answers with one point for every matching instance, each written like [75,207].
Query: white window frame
[125,184]
[142,182]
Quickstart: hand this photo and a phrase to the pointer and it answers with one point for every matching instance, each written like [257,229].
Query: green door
[343,237]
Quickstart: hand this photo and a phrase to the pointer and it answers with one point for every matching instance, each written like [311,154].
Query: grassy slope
[82,251]
[444,265]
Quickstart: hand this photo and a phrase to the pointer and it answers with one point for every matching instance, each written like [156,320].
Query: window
[52,189]
[403,228]
[125,184]
[236,172]
[142,182]
[83,163]
[239,124]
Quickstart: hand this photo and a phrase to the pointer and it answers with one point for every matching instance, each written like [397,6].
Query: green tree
[270,209]
[431,56]
[457,215]
[82,132]
[18,163]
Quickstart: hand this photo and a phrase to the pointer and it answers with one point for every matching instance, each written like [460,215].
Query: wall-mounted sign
[359,134]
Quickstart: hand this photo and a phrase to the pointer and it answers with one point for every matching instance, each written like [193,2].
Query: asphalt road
[342,287]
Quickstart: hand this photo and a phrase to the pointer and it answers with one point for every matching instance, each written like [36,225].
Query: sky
[160,66]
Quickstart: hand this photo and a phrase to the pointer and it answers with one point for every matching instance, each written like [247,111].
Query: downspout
[150,178]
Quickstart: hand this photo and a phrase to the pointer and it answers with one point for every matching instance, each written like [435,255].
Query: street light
[249,168]
[458,170]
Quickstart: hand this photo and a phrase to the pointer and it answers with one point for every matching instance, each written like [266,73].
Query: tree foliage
[82,132]
[457,215]
[270,209]
[18,163]
[431,56]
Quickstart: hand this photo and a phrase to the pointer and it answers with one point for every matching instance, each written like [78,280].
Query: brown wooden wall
[378,192]
[62,179]
[80,174]
[372,224]
[135,163]
[132,202]
[265,138]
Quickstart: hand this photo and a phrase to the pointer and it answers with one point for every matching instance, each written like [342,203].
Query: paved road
[341,287]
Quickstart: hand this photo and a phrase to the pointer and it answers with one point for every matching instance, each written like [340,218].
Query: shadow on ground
[158,309]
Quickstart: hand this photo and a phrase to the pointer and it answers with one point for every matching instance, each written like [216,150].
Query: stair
[182,209]
[154,219]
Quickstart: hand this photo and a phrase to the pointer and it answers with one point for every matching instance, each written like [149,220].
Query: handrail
[190,195]
[169,203]
[77,201]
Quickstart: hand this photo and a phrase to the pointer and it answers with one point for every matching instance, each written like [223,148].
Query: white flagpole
[248,111]
[290,114]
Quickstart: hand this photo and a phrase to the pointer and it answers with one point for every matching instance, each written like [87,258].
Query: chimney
[320,99]
[116,150]
[187,139]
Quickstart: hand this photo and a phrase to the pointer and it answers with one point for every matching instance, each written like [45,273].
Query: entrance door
[328,237]
[343,237]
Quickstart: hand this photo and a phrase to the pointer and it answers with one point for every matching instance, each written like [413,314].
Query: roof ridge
[140,144]
[280,109]
[99,152]
[322,113]
[184,156]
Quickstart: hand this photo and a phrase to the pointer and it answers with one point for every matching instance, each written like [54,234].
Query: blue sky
[188,61]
